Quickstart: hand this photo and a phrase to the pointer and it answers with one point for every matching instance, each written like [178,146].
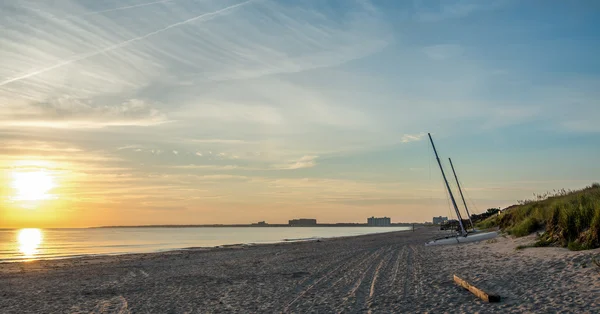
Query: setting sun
[32,185]
[29,241]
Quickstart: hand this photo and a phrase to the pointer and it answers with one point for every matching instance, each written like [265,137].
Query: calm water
[29,244]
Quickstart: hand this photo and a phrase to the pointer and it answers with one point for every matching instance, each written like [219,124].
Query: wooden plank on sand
[476,291]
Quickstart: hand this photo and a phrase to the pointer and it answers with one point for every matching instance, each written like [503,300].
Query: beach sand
[383,273]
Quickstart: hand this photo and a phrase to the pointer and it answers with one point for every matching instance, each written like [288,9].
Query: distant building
[380,222]
[303,222]
[260,223]
[439,220]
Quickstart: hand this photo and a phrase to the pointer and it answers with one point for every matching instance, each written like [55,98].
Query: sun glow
[32,185]
[29,241]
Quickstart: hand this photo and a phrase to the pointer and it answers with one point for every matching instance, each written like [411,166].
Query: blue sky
[205,111]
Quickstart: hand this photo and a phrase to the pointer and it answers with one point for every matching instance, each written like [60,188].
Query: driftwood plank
[476,291]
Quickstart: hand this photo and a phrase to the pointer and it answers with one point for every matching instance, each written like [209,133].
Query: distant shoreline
[258,226]
[150,247]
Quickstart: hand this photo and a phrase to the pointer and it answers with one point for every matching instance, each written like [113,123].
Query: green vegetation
[488,223]
[568,218]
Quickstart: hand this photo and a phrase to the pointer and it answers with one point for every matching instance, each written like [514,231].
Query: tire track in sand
[384,261]
[351,296]
[346,273]
[390,287]
[408,278]
[327,274]
[417,272]
[399,258]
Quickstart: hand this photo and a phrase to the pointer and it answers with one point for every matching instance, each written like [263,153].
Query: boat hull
[460,239]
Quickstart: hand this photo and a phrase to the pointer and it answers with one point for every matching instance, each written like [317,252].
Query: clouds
[407,138]
[435,11]
[81,57]
[206,103]
[134,46]
[303,162]
[68,112]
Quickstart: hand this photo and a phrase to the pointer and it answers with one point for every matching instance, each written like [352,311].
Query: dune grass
[567,218]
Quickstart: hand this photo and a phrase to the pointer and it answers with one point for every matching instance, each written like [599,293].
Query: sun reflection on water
[29,241]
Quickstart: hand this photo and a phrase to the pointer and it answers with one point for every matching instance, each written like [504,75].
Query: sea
[18,245]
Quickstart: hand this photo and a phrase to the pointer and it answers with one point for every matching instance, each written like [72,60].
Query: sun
[29,241]
[32,185]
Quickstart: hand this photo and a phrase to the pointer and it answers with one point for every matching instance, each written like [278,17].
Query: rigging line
[468,198]
[472,202]
[444,188]
[449,209]
[455,186]
[431,191]
[450,213]
[429,153]
[447,193]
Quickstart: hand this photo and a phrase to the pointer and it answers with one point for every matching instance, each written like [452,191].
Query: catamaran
[462,234]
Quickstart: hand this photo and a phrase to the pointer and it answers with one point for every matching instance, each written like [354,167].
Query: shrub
[525,227]
[491,222]
[570,218]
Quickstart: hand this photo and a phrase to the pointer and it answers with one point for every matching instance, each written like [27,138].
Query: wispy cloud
[437,10]
[201,17]
[208,167]
[109,57]
[20,146]
[219,141]
[128,7]
[67,112]
[223,177]
[303,162]
[218,106]
[407,138]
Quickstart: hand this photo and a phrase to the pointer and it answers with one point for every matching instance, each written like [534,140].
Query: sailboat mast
[461,194]
[462,228]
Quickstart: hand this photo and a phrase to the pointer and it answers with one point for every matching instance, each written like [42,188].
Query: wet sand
[383,273]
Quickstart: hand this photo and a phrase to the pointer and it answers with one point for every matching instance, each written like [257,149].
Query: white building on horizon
[379,222]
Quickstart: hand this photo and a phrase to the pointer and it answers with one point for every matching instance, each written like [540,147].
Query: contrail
[122,44]
[126,8]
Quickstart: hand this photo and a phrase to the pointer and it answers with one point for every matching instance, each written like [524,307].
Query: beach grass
[566,218]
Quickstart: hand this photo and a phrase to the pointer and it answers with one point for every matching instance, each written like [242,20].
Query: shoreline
[380,273]
[341,225]
[193,248]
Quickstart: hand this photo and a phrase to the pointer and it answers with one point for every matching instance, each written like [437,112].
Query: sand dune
[383,273]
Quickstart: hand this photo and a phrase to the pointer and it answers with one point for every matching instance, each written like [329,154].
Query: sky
[135,112]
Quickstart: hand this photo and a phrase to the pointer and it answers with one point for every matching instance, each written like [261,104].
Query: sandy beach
[382,273]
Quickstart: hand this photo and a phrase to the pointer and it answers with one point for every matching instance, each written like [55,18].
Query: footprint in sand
[117,305]
[129,277]
[113,305]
